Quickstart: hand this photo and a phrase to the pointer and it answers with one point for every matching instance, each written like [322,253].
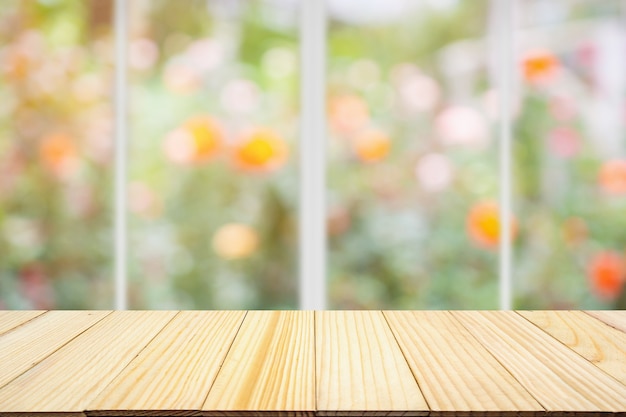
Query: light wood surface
[616,319]
[67,381]
[360,367]
[9,320]
[456,374]
[592,339]
[269,369]
[557,377]
[27,345]
[303,363]
[189,350]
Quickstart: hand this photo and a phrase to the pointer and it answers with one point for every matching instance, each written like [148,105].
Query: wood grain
[270,368]
[27,345]
[175,371]
[455,372]
[592,339]
[361,369]
[12,319]
[557,377]
[67,381]
[616,319]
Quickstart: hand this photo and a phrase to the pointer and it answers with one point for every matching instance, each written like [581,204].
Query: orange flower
[58,153]
[371,146]
[261,150]
[235,241]
[348,113]
[483,224]
[612,177]
[207,137]
[606,274]
[540,66]
[198,140]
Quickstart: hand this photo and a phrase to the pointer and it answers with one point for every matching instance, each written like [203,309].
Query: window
[246,118]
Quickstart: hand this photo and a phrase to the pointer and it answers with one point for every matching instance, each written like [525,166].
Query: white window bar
[120,238]
[502,23]
[312,211]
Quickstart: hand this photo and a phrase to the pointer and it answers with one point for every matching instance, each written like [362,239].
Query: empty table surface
[331,363]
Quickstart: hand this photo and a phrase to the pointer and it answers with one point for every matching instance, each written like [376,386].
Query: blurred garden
[412,175]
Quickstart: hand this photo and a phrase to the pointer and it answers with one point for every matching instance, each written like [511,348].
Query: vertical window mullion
[312,202]
[120,229]
[502,30]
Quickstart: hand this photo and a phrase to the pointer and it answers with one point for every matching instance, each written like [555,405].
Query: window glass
[55,154]
[570,155]
[412,214]
[214,183]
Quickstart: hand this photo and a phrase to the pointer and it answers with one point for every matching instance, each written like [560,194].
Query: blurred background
[412,170]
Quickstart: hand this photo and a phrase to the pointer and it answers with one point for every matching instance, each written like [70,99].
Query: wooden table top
[332,363]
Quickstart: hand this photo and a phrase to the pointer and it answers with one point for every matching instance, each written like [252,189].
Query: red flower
[606,274]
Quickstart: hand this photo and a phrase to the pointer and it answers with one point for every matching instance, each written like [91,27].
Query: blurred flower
[483,224]
[89,87]
[564,142]
[260,149]
[205,55]
[605,272]
[575,230]
[458,125]
[279,62]
[23,55]
[143,54]
[235,241]
[197,141]
[240,96]
[348,113]
[434,172]
[180,78]
[58,154]
[15,64]
[418,92]
[35,287]
[540,66]
[587,53]
[562,108]
[612,177]
[371,146]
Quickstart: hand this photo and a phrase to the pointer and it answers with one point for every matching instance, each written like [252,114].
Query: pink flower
[564,142]
[434,172]
[459,125]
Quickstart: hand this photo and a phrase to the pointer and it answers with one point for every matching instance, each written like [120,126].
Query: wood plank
[616,319]
[12,319]
[67,381]
[592,339]
[27,345]
[173,374]
[270,368]
[560,379]
[360,367]
[457,375]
